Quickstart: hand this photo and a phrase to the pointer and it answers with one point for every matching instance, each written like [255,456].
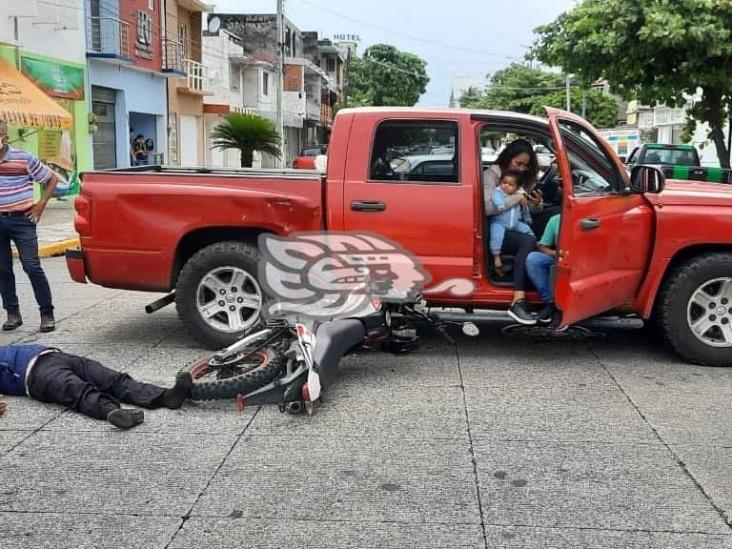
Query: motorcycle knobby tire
[230,387]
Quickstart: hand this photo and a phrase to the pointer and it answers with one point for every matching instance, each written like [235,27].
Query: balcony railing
[196,76]
[108,37]
[174,56]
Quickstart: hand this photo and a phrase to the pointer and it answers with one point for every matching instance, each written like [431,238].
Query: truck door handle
[367,206]
[589,224]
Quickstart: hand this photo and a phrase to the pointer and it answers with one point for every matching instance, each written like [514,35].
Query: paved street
[498,442]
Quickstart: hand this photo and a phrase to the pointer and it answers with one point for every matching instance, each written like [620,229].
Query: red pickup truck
[629,242]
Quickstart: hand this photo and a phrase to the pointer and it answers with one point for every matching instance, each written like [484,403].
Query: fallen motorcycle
[291,359]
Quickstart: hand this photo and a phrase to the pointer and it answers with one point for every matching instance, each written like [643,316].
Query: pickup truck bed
[161,214]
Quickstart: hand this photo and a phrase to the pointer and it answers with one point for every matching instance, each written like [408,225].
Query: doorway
[189,137]
[104,146]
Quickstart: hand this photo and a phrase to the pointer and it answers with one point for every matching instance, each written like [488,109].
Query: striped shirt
[18,171]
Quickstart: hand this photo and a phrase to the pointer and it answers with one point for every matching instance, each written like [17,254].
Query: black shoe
[174,397]
[521,313]
[125,418]
[14,321]
[546,313]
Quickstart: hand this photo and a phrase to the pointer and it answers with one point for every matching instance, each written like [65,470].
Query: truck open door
[607,230]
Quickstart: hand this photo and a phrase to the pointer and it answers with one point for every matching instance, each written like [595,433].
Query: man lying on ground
[49,375]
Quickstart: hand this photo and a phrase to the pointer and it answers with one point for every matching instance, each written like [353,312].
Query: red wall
[145,56]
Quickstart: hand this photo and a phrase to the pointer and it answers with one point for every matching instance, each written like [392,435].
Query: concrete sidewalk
[56,232]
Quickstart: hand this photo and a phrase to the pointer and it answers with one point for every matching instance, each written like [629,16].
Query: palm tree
[248,133]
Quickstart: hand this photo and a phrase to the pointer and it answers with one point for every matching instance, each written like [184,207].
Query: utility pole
[280,79]
[569,102]
[584,102]
[346,79]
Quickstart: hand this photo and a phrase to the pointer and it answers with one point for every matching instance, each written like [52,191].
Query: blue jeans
[498,233]
[538,267]
[22,231]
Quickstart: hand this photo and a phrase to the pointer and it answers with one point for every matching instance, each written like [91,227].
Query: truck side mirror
[646,179]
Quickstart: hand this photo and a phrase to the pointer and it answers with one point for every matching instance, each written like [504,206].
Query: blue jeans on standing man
[539,267]
[22,231]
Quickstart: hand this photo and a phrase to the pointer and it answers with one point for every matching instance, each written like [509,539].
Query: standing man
[18,218]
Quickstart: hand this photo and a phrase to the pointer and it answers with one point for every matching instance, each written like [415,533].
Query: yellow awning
[23,104]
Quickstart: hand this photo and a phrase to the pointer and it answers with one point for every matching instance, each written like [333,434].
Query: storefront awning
[23,104]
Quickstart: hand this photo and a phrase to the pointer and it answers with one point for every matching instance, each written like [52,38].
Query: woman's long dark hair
[512,150]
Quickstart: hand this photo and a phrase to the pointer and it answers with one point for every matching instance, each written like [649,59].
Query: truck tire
[695,309]
[218,296]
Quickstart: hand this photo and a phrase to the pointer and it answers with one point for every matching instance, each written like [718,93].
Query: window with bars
[183,39]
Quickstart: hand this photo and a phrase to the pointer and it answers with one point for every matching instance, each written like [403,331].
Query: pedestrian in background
[139,150]
[18,218]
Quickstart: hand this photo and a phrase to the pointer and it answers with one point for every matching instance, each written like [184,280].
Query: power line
[409,36]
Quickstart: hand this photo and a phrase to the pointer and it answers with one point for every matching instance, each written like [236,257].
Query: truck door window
[593,170]
[421,152]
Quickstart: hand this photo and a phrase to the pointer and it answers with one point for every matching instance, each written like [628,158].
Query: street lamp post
[280,78]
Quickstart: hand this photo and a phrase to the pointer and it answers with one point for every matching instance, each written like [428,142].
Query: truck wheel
[218,296]
[696,310]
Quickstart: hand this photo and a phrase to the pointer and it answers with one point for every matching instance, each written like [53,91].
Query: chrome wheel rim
[229,299]
[709,312]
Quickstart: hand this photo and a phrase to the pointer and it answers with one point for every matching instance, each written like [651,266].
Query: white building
[223,55]
[664,124]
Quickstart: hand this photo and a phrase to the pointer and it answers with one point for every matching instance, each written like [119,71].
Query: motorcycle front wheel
[238,375]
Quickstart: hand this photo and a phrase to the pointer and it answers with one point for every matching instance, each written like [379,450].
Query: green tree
[514,88]
[658,51]
[472,98]
[247,133]
[601,110]
[524,89]
[386,76]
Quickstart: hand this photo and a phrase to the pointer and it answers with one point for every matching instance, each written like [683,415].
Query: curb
[55,248]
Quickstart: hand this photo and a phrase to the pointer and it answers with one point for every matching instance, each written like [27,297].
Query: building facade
[331,59]
[189,83]
[45,43]
[303,79]
[223,56]
[126,80]
[664,124]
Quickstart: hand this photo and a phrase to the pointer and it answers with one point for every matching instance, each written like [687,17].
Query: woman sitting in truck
[518,156]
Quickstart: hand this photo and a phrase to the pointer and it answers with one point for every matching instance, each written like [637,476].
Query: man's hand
[3,406]
[35,213]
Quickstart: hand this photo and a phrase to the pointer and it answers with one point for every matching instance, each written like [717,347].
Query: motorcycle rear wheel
[240,375]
